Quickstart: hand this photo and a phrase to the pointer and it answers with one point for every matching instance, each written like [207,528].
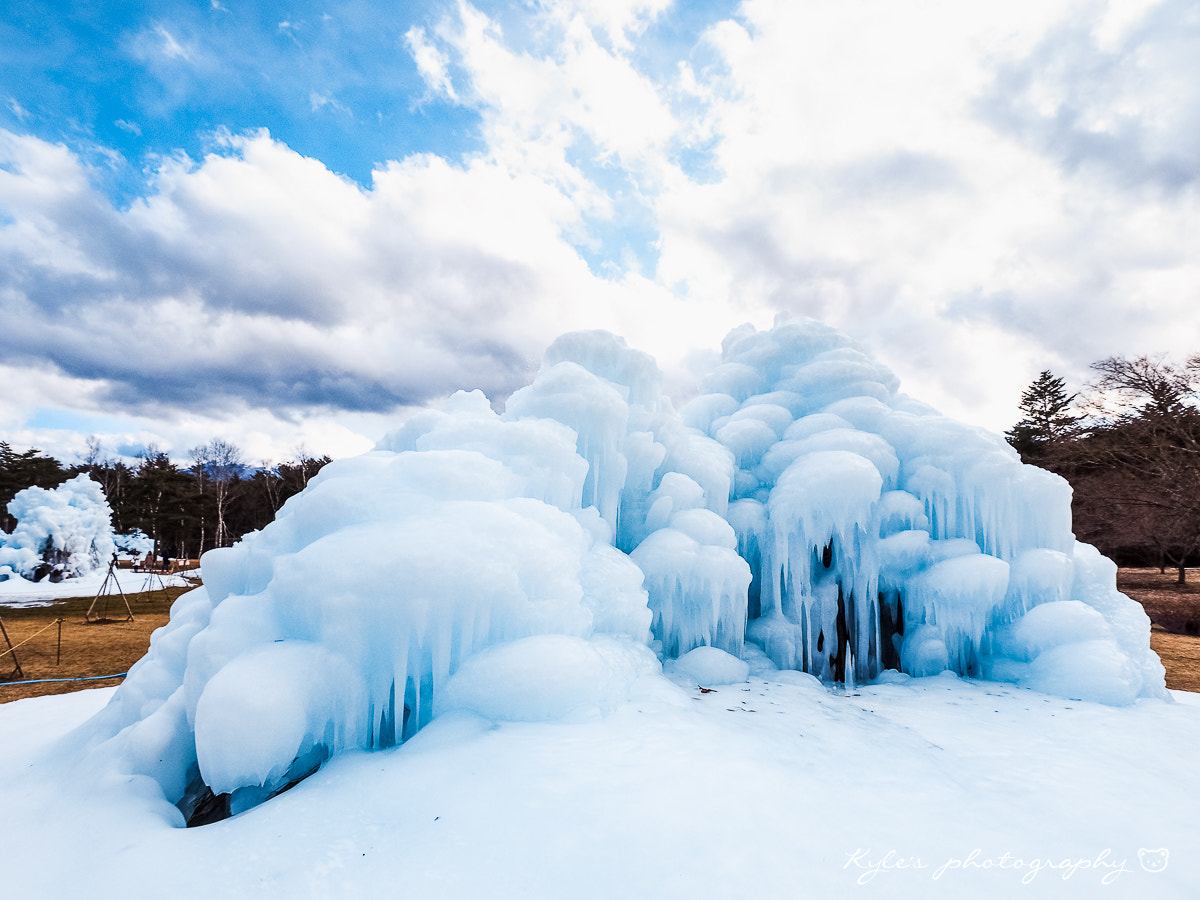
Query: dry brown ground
[1180,655]
[1174,611]
[89,650]
[1174,606]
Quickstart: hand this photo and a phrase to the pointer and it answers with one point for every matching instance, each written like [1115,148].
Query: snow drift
[800,513]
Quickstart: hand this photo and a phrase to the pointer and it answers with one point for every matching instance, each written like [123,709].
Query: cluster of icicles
[799,503]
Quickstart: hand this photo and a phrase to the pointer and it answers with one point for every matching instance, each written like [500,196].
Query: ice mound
[528,565]
[709,666]
[61,532]
[548,677]
[337,627]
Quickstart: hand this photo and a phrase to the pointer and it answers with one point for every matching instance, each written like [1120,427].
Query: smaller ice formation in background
[134,545]
[536,564]
[61,532]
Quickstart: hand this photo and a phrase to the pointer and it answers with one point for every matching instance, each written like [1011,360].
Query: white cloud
[861,186]
[618,20]
[169,47]
[305,291]
[432,64]
[319,101]
[569,98]
[977,192]
[30,386]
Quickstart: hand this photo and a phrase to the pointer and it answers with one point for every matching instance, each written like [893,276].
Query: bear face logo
[1153,860]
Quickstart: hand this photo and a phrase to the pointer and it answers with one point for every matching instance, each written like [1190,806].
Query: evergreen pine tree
[1047,420]
[21,470]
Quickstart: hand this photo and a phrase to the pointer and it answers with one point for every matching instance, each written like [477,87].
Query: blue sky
[286,224]
[333,81]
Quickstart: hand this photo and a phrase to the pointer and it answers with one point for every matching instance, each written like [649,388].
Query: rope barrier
[30,638]
[52,680]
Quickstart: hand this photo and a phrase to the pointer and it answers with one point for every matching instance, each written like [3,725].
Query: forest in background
[185,510]
[1129,445]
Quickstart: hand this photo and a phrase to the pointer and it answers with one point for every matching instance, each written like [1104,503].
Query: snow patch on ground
[17,591]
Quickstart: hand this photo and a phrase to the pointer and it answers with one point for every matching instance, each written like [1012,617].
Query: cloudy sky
[291,224]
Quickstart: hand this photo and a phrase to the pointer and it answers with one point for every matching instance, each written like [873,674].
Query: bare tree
[1145,386]
[1141,457]
[304,464]
[270,480]
[95,453]
[218,463]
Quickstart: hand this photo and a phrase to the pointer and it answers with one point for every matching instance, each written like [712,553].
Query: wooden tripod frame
[103,592]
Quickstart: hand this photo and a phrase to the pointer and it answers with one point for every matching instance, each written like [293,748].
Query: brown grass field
[86,650]
[1174,611]
[111,648]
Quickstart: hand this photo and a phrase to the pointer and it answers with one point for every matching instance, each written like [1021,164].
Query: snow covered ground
[773,788]
[17,591]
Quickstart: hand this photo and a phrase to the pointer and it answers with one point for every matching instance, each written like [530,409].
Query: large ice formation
[520,564]
[61,532]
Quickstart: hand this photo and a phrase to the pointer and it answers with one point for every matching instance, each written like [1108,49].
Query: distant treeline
[1129,445]
[186,511]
